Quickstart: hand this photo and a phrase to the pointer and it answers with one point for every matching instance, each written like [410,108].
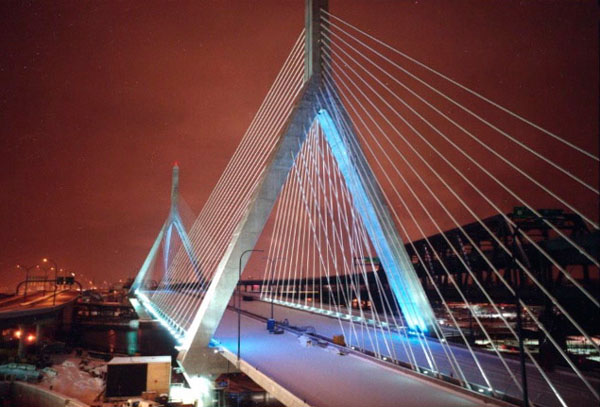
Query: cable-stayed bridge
[394,215]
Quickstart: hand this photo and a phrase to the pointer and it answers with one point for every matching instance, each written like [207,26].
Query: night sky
[98,99]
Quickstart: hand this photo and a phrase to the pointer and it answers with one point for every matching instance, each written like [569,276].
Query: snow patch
[81,379]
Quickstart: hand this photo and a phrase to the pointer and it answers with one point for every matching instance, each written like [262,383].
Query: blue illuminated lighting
[402,277]
[176,331]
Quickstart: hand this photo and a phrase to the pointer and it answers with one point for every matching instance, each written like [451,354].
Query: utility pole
[518,294]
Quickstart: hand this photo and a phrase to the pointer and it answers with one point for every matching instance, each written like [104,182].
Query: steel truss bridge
[404,254]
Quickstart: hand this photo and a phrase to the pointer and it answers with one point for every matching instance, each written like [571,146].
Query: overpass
[37,310]
[39,305]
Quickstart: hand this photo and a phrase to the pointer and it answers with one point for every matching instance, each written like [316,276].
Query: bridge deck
[141,312]
[569,386]
[36,303]
[323,378]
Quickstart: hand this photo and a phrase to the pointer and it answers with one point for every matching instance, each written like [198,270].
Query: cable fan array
[441,164]
[181,289]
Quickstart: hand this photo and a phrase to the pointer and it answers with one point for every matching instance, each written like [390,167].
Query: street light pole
[239,307]
[26,277]
[46,260]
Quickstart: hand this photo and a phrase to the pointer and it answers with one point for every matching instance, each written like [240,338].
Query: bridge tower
[173,221]
[195,356]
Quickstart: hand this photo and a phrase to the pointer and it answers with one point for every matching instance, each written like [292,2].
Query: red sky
[99,98]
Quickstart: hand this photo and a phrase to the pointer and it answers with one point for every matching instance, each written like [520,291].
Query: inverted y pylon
[312,106]
[173,221]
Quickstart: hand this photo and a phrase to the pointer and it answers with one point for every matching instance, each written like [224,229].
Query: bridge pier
[21,349]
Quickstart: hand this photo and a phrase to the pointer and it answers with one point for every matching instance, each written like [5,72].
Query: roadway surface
[258,346]
[322,378]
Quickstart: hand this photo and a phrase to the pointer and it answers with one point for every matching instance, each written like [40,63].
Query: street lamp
[46,260]
[239,308]
[26,277]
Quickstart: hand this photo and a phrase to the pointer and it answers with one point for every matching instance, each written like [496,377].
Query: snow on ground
[75,378]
